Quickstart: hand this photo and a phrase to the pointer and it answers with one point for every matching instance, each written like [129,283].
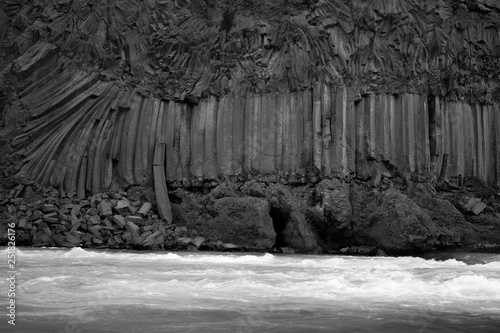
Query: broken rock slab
[474,205]
[198,241]
[229,247]
[478,208]
[470,204]
[33,58]
[135,219]
[121,204]
[145,208]
[105,208]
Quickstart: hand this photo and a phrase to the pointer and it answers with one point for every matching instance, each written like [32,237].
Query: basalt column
[91,135]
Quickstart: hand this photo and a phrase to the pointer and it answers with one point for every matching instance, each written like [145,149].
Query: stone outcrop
[393,222]
[243,221]
[334,200]
[392,218]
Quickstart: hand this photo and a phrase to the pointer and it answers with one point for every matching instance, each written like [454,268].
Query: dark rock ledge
[384,215]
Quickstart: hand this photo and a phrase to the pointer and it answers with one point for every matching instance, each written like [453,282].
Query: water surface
[75,291]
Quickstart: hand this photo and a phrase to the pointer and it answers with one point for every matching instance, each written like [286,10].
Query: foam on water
[80,282]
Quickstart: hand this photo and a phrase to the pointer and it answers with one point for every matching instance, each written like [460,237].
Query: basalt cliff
[313,125]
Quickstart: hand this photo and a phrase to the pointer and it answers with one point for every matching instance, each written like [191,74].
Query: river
[80,290]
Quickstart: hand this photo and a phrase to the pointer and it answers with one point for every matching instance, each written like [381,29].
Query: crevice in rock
[280,220]
[175,198]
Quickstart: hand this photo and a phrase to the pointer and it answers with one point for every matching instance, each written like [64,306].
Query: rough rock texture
[450,221]
[298,234]
[334,201]
[253,103]
[243,221]
[236,100]
[393,222]
[83,137]
[391,218]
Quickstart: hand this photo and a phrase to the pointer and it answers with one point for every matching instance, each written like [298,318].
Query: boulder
[105,208]
[450,222]
[242,221]
[393,222]
[287,250]
[122,204]
[229,247]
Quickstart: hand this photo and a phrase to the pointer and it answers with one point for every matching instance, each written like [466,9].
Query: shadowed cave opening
[280,219]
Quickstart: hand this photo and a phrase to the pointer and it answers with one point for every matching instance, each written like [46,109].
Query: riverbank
[384,214]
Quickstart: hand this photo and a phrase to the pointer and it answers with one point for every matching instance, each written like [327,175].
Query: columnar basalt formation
[88,135]
[198,94]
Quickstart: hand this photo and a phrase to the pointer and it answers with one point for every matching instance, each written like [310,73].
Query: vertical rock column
[479,141]
[160,183]
[224,134]
[307,124]
[488,138]
[210,165]
[267,151]
[85,134]
[468,141]
[341,120]
[409,132]
[238,134]
[442,133]
[495,125]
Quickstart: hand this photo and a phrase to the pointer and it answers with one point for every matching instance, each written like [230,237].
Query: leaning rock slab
[298,235]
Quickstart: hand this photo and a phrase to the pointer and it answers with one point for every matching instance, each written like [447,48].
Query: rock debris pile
[104,220]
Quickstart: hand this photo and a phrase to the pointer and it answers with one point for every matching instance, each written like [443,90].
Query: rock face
[393,222]
[450,221]
[334,201]
[83,137]
[243,221]
[254,216]
[297,234]
[285,123]
[100,94]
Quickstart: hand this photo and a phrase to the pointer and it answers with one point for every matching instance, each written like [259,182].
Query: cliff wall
[230,103]
[86,134]
[283,91]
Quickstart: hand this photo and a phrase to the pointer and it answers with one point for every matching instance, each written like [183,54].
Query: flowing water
[76,291]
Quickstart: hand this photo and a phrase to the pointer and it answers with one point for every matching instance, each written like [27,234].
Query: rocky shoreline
[381,214]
